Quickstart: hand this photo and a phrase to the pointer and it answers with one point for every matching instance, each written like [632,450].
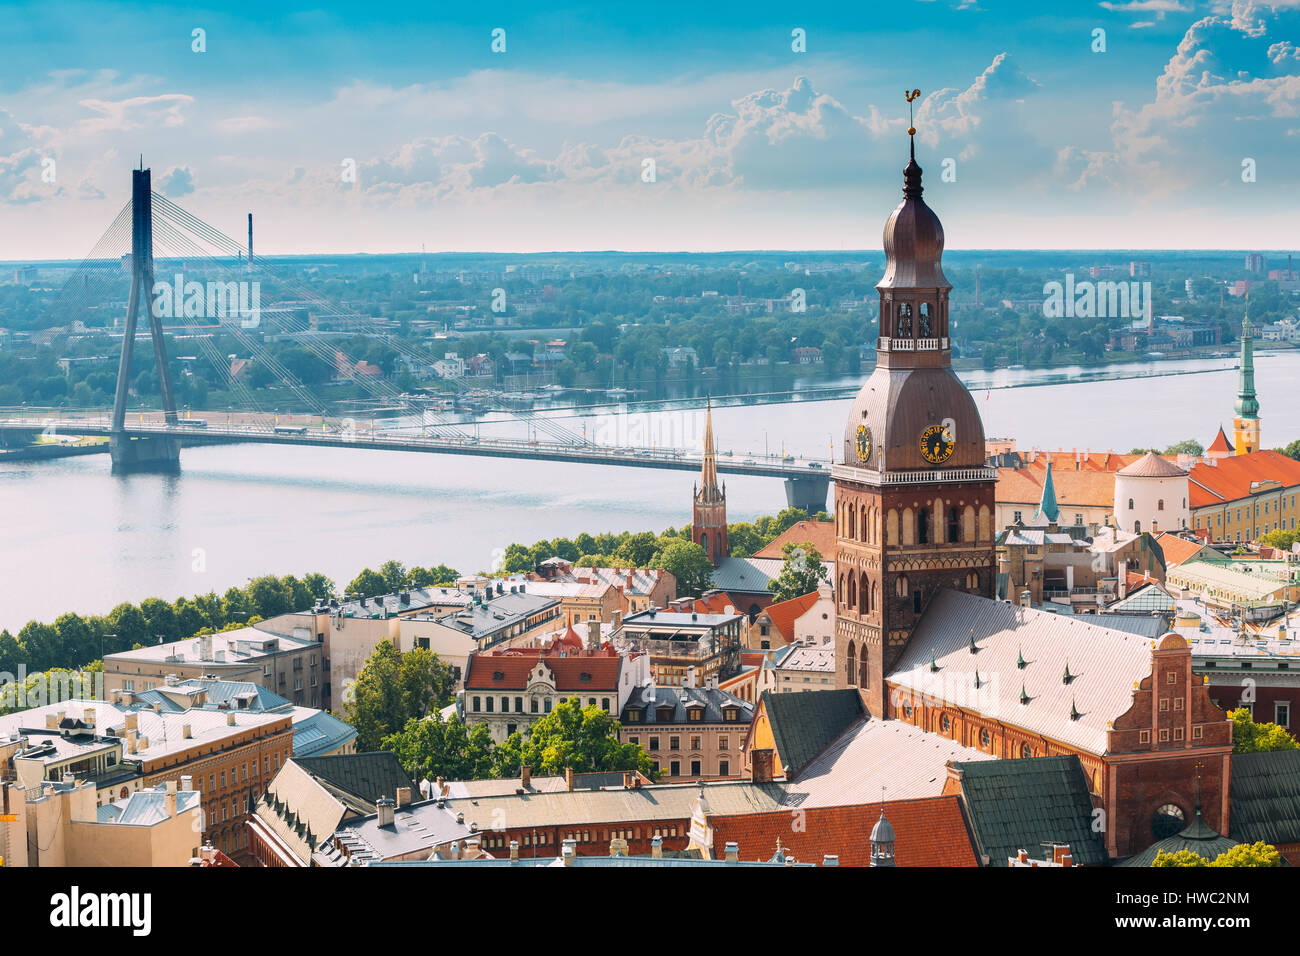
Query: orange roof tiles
[1176,549]
[928,832]
[1220,443]
[820,534]
[1231,478]
[1095,489]
[715,602]
[784,613]
[491,672]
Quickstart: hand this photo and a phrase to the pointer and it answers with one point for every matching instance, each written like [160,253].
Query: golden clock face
[937,444]
[864,443]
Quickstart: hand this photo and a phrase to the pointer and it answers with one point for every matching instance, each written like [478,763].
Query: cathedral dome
[913,240]
[898,406]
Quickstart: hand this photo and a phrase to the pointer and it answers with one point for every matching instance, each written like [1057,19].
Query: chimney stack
[569,851]
[732,852]
[385,807]
[763,765]
[657,847]
[568,779]
[187,782]
[525,777]
[831,859]
[514,849]
[403,797]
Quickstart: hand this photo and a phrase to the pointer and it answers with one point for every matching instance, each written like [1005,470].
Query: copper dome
[913,240]
[898,405]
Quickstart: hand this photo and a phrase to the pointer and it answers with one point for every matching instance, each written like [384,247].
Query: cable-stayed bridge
[153,237]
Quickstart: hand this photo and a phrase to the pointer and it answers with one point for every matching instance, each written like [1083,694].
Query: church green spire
[1047,507]
[1247,404]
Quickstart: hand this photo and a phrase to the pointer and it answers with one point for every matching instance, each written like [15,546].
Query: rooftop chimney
[186,732]
[657,847]
[762,765]
[732,852]
[831,859]
[187,782]
[514,849]
[569,851]
[385,807]
[568,779]
[403,797]
[525,776]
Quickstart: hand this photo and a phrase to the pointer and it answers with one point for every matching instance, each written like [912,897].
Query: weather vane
[911,129]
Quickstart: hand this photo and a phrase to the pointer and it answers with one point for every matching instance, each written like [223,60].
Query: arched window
[704,543]
[853,526]
[1168,821]
[904,320]
[900,585]
[865,594]
[1137,527]
[891,527]
[853,591]
[1026,750]
[954,526]
[1130,504]
[862,668]
[926,324]
[875,595]
[923,526]
[916,601]
[852,666]
[1160,505]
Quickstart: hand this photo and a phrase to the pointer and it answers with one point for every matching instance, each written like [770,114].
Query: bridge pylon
[137,452]
[808,492]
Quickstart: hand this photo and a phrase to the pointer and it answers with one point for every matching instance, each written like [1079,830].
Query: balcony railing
[871,477]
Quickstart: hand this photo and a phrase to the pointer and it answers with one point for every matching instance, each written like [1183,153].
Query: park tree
[585,739]
[433,747]
[1249,737]
[367,584]
[802,572]
[376,703]
[394,575]
[689,564]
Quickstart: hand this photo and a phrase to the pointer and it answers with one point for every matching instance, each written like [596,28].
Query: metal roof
[1103,664]
[804,723]
[1023,803]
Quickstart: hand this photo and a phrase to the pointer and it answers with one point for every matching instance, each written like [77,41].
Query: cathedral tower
[914,499]
[709,514]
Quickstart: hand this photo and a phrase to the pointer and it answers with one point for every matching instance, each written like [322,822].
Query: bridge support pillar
[144,453]
[808,492]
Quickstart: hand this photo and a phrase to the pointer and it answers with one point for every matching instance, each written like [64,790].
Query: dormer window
[696,714]
[730,714]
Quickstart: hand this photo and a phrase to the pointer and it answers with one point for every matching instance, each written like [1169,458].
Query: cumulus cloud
[1230,90]
[177,181]
[135,112]
[20,164]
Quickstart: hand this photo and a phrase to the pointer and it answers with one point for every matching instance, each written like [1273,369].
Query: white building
[1151,495]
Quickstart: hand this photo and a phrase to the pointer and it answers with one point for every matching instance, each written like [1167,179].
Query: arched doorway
[1168,820]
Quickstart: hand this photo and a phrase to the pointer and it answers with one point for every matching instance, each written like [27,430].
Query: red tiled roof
[820,534]
[1176,548]
[715,602]
[1152,465]
[1220,442]
[784,613]
[1092,488]
[568,671]
[1230,478]
[928,832]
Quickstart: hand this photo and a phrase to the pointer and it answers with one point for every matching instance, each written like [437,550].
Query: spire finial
[911,125]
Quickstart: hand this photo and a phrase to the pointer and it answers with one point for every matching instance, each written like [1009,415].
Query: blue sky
[754,145]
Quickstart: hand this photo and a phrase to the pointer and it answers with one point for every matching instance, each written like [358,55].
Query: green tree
[1249,737]
[689,564]
[1292,450]
[376,703]
[394,575]
[427,681]
[1281,539]
[638,549]
[801,573]
[585,739]
[319,585]
[367,584]
[517,559]
[433,747]
[431,577]
[160,620]
[129,625]
[78,644]
[1188,446]
[1243,854]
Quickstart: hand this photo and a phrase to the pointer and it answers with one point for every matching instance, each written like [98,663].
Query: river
[77,538]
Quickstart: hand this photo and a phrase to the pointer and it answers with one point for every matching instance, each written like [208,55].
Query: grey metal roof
[319,732]
[146,807]
[746,575]
[415,828]
[1103,661]
[648,699]
[904,760]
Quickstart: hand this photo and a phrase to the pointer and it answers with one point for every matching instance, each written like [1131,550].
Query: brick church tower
[913,495]
[709,513]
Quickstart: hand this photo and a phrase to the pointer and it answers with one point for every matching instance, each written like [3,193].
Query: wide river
[75,537]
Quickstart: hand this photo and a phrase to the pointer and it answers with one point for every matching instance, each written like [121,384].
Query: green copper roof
[804,724]
[1266,797]
[1198,836]
[1020,804]
[1247,404]
[1047,507]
